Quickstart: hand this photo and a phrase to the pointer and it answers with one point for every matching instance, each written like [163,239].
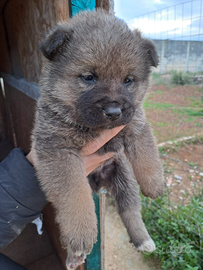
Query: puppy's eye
[128,81]
[90,78]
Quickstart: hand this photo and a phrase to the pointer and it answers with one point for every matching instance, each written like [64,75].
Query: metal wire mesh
[178,34]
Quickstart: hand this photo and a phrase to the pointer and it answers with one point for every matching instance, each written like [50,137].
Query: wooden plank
[21,116]
[3,125]
[62,10]
[25,23]
[4,53]
[30,89]
[6,130]
[2,4]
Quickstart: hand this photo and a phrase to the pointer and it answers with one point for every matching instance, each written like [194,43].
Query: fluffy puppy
[96,78]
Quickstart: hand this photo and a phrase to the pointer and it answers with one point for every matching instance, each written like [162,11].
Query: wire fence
[174,107]
[178,22]
[178,33]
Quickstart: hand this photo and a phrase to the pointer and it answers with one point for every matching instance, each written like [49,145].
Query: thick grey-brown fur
[70,113]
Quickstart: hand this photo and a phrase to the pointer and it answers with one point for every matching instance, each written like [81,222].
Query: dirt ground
[183,166]
[175,112]
[183,171]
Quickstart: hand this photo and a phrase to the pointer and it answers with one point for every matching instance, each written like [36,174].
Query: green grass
[191,163]
[196,102]
[189,112]
[159,92]
[158,79]
[176,146]
[199,125]
[159,106]
[160,124]
[176,231]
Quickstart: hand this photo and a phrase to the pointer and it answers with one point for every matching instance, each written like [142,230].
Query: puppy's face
[98,69]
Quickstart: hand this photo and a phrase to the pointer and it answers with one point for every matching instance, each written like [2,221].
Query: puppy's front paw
[78,249]
[74,260]
[154,192]
[153,186]
[80,242]
[147,246]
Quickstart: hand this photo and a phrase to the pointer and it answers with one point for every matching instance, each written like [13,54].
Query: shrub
[177,232]
[181,78]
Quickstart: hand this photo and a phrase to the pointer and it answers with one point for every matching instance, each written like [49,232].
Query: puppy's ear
[151,52]
[149,48]
[53,44]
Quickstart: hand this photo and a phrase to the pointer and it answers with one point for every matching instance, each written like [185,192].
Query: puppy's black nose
[112,113]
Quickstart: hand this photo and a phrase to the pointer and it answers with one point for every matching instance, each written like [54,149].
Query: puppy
[96,78]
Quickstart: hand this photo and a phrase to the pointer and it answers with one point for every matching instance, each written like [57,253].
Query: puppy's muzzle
[112,113]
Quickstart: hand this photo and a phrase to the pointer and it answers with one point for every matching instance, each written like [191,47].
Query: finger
[95,159]
[91,169]
[93,166]
[97,143]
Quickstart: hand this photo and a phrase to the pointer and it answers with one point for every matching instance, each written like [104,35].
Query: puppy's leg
[117,177]
[144,157]
[63,179]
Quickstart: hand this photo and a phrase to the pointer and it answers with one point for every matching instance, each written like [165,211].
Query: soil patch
[184,172]
[175,112]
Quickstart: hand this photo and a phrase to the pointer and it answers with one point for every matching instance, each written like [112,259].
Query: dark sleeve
[21,198]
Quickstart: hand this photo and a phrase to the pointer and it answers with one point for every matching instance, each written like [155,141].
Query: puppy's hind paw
[75,261]
[147,246]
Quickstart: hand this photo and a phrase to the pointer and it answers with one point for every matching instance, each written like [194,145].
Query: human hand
[90,160]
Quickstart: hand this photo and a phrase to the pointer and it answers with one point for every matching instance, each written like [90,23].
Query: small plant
[192,164]
[199,125]
[181,78]
[177,232]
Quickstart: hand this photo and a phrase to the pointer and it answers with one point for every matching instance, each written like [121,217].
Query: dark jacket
[21,199]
